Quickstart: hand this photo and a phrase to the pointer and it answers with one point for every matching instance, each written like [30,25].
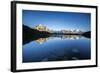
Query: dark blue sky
[57,20]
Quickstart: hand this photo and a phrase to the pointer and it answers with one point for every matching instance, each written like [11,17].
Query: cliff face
[32,34]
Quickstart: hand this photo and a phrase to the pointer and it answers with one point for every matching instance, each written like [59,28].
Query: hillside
[87,34]
[32,34]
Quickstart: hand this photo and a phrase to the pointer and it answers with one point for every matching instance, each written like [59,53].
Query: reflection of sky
[77,49]
[57,20]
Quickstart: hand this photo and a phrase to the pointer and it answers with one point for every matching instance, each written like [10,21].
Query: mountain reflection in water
[70,37]
[57,48]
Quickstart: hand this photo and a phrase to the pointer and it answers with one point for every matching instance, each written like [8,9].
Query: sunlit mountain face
[55,36]
[41,27]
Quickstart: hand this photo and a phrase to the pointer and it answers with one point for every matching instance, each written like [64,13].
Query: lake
[57,48]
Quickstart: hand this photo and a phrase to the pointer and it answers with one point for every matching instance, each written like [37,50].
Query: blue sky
[57,20]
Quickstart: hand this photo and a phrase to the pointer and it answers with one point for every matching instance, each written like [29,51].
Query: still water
[57,48]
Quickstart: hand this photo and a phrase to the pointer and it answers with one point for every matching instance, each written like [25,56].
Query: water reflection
[69,37]
[57,48]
